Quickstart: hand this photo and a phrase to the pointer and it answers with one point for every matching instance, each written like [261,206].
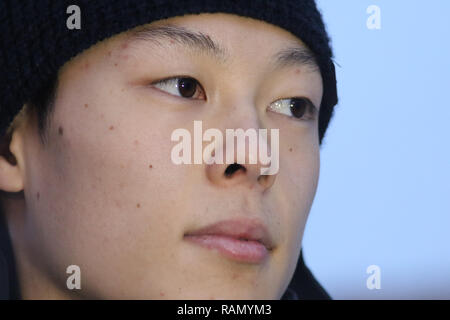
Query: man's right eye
[184,87]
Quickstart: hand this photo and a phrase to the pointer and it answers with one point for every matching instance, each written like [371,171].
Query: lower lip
[238,250]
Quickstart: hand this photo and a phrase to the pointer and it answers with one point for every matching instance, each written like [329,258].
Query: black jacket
[303,285]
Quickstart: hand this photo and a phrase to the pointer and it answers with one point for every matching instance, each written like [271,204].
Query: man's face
[104,194]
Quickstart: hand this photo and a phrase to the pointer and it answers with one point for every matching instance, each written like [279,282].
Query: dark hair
[42,104]
[9,284]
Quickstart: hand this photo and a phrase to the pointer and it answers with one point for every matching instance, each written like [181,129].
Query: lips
[240,240]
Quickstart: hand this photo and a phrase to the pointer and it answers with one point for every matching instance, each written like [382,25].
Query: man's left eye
[299,108]
[185,87]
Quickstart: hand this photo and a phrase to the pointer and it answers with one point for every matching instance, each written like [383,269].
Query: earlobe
[11,165]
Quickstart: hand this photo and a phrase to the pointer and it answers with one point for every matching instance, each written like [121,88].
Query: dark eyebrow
[295,55]
[194,40]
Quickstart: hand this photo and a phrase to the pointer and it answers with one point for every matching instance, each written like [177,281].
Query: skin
[103,194]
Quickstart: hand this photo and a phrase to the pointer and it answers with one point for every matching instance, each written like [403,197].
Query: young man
[86,168]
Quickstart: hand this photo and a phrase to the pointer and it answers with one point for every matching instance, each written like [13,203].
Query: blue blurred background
[383,196]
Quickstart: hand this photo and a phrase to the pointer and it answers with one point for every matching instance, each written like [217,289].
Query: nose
[236,169]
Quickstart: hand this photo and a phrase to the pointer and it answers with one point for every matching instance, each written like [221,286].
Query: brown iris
[299,107]
[187,87]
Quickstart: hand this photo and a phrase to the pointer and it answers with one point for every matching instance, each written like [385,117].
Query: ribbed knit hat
[35,41]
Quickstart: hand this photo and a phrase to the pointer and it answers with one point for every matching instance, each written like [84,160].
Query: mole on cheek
[60,131]
[86,105]
[150,166]
[290,149]
[138,205]
[38,195]
[111,127]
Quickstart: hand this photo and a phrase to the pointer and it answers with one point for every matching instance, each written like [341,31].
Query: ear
[11,162]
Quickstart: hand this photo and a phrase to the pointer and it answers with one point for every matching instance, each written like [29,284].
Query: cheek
[294,191]
[298,177]
[111,171]
[107,190]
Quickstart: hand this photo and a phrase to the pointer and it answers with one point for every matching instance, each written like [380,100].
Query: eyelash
[168,81]
[308,110]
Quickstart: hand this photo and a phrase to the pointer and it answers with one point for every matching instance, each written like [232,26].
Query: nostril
[232,168]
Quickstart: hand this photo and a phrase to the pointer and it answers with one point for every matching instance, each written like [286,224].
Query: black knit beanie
[35,41]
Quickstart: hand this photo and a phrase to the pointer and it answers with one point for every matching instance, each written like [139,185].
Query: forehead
[216,34]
